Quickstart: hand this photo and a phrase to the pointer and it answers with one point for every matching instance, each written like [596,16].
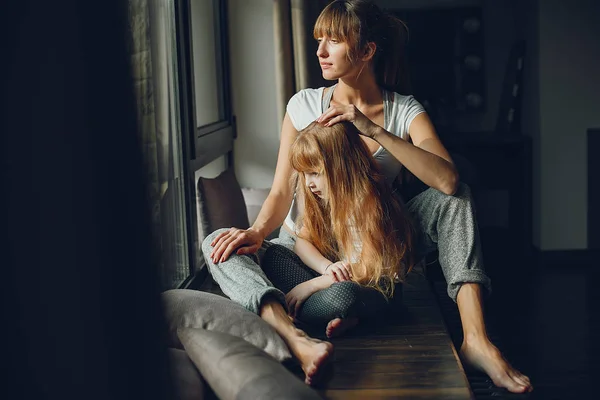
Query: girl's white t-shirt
[398,110]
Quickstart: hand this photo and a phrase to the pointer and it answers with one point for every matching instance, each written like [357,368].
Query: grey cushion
[221,203]
[187,380]
[236,370]
[193,309]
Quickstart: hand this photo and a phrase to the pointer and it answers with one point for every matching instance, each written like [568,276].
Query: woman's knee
[463,191]
[461,201]
[206,243]
[461,198]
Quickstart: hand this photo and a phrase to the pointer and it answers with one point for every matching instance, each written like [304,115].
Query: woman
[360,47]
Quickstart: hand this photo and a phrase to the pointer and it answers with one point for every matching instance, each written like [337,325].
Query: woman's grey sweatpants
[240,277]
[446,223]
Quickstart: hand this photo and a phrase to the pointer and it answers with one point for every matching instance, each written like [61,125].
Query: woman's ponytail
[390,63]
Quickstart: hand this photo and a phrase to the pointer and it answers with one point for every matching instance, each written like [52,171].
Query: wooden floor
[410,355]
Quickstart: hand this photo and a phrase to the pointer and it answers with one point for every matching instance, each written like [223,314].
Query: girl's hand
[297,296]
[340,112]
[339,271]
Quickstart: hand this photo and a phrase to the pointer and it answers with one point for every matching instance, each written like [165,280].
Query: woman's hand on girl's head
[245,241]
[339,112]
[339,271]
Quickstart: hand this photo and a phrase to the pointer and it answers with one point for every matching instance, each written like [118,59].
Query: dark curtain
[80,308]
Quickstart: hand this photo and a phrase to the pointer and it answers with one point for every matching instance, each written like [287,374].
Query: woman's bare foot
[338,326]
[312,354]
[481,354]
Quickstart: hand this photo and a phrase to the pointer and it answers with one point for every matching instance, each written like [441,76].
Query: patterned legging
[341,300]
[275,270]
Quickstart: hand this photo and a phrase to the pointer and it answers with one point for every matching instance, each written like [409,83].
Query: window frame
[203,144]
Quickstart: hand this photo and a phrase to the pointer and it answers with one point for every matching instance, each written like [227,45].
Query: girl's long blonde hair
[358,200]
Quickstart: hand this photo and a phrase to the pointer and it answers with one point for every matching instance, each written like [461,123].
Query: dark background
[79,306]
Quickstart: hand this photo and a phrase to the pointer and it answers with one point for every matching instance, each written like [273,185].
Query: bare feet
[481,354]
[338,326]
[312,354]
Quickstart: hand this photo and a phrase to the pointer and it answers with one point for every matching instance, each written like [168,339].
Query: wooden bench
[410,355]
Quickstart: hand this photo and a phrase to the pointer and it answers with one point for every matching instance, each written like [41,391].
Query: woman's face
[333,58]
[316,183]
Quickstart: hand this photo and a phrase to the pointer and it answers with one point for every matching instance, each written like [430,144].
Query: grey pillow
[236,370]
[186,308]
[188,382]
[221,203]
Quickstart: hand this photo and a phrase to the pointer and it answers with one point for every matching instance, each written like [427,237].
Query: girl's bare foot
[338,326]
[481,354]
[311,353]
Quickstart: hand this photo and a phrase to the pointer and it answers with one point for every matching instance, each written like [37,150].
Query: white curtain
[154,70]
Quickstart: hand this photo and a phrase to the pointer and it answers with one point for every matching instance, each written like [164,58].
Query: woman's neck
[361,91]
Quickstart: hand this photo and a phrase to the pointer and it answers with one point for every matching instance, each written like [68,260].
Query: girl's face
[316,183]
[333,57]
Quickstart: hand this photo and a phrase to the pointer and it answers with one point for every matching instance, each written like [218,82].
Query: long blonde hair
[358,199]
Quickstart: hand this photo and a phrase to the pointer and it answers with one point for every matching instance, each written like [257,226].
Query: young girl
[353,243]
[353,237]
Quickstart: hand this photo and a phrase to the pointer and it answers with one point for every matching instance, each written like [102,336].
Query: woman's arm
[273,211]
[277,204]
[426,157]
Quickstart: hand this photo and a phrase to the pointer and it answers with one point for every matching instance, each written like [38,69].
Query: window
[207,121]
[207,85]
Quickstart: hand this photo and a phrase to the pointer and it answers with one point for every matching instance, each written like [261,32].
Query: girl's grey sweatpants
[446,223]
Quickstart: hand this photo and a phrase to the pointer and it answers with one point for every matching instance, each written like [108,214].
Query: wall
[528,28]
[253,79]
[569,60]
[560,103]
[205,69]
[426,3]
[499,34]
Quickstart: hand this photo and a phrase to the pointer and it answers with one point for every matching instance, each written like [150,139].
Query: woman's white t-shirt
[398,113]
